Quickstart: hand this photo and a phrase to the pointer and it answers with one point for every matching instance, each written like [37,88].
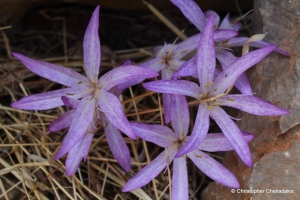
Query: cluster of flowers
[94,101]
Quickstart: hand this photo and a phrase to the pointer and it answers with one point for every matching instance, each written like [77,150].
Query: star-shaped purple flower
[213,93]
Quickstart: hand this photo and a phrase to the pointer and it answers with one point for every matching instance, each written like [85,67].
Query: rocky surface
[275,149]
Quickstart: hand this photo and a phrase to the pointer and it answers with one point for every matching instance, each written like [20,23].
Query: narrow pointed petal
[215,142]
[124,74]
[192,12]
[55,73]
[113,110]
[213,169]
[233,134]
[187,69]
[167,107]
[199,132]
[70,102]
[180,115]
[223,34]
[63,121]
[117,144]
[48,100]
[149,172]
[91,47]
[205,57]
[226,58]
[157,134]
[226,24]
[117,90]
[210,13]
[240,41]
[81,122]
[77,153]
[180,184]
[155,64]
[182,87]
[252,105]
[232,72]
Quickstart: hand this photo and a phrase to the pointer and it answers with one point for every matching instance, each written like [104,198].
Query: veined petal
[157,134]
[226,24]
[232,72]
[205,57]
[149,172]
[214,142]
[117,144]
[70,102]
[56,73]
[192,12]
[252,105]
[233,134]
[167,107]
[82,120]
[180,180]
[124,74]
[63,121]
[155,64]
[91,47]
[240,41]
[223,34]
[226,58]
[199,132]
[213,169]
[77,153]
[182,87]
[113,110]
[187,69]
[117,90]
[48,100]
[180,115]
[210,13]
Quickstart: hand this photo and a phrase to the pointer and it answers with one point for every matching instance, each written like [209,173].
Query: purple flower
[93,93]
[213,93]
[172,141]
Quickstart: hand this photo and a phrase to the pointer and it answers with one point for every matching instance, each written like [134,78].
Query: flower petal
[192,12]
[48,100]
[77,153]
[180,115]
[214,142]
[81,122]
[63,121]
[161,135]
[149,172]
[232,72]
[205,57]
[182,87]
[233,134]
[155,64]
[226,24]
[210,13]
[113,110]
[117,144]
[213,169]
[199,132]
[187,69]
[124,74]
[167,107]
[56,73]
[91,47]
[70,102]
[252,105]
[180,184]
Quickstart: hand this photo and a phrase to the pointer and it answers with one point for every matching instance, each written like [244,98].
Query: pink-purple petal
[213,169]
[77,153]
[215,142]
[156,64]
[180,115]
[167,107]
[149,172]
[182,87]
[157,134]
[226,24]
[210,13]
[70,102]
[63,121]
[199,131]
[180,184]
[252,105]
[205,57]
[192,12]
[55,73]
[113,110]
[117,144]
[232,72]
[91,47]
[187,69]
[82,120]
[124,74]
[233,134]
